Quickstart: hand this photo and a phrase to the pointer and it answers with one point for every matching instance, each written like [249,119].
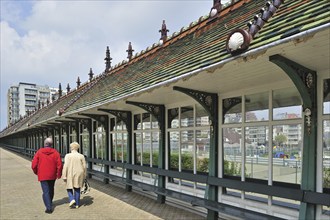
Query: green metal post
[305,81]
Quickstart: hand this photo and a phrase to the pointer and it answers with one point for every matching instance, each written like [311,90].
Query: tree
[280,139]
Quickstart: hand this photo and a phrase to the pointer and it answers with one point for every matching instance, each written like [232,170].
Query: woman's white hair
[74,146]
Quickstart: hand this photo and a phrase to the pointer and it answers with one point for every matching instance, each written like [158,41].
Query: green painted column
[305,81]
[209,101]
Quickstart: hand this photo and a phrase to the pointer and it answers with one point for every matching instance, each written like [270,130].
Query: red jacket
[47,164]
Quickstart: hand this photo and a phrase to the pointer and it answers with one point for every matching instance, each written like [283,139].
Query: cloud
[51,42]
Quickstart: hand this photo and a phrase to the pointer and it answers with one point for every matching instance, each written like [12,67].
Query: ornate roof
[199,45]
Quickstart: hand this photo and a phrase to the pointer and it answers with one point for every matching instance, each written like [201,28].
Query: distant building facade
[25,98]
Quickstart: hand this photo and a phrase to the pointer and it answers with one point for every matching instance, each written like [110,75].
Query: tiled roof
[201,44]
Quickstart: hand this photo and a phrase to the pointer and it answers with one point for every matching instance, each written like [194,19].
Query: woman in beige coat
[74,173]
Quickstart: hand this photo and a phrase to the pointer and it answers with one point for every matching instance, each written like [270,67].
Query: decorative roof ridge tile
[183,32]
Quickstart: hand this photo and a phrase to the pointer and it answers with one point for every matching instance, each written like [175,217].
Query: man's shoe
[72,203]
[77,206]
[48,211]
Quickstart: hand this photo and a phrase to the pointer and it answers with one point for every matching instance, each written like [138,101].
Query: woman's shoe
[49,211]
[72,203]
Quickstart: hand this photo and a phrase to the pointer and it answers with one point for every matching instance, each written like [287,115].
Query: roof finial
[78,82]
[216,8]
[59,90]
[68,88]
[163,32]
[107,59]
[91,74]
[129,51]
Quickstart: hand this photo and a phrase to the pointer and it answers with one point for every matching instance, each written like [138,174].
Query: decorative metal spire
[216,8]
[59,90]
[163,31]
[107,59]
[129,51]
[91,74]
[78,82]
[68,88]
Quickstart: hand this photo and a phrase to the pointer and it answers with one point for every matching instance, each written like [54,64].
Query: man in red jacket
[47,164]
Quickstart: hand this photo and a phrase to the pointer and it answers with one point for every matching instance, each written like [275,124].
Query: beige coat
[74,170]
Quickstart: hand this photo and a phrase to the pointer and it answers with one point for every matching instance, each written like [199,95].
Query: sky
[49,42]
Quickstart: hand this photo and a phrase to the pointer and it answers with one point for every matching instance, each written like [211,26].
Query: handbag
[86,187]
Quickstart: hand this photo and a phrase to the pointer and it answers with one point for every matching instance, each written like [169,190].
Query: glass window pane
[154,122]
[155,148]
[187,116]
[287,153]
[146,121]
[326,96]
[256,160]
[119,125]
[202,118]
[138,143]
[202,150]
[113,147]
[174,150]
[187,150]
[286,104]
[146,148]
[137,122]
[119,148]
[256,107]
[326,154]
[232,142]
[124,147]
[85,144]
[232,110]
[173,118]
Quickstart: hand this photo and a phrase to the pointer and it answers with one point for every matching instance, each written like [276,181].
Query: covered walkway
[21,198]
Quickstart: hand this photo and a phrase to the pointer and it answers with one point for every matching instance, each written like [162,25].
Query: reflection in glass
[256,159]
[286,104]
[146,121]
[119,147]
[146,148]
[202,150]
[124,146]
[287,153]
[187,116]
[326,154]
[326,96]
[173,118]
[187,150]
[118,140]
[155,148]
[138,143]
[174,150]
[99,142]
[84,140]
[64,146]
[202,118]
[256,107]
[232,142]
[232,110]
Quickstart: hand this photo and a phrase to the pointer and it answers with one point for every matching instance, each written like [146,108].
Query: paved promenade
[21,198]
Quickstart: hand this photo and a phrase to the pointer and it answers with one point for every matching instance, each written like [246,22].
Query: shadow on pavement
[86,201]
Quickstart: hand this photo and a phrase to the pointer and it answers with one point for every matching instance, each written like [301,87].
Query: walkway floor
[21,198]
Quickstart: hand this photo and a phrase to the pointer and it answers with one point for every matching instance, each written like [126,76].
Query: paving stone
[21,198]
